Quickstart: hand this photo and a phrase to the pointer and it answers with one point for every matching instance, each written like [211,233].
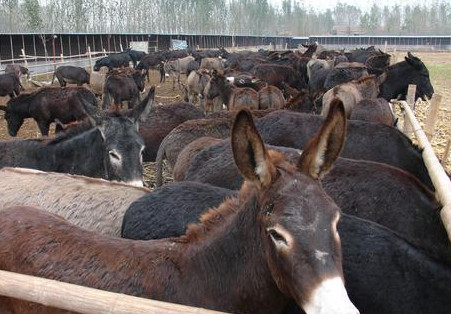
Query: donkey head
[297,219]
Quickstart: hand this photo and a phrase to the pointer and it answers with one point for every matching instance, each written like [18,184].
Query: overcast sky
[364,5]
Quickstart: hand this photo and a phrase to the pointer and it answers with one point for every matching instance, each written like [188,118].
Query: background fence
[11,45]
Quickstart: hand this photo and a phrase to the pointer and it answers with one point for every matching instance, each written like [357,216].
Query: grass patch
[440,70]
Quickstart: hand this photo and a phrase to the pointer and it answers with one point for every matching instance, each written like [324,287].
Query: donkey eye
[277,238]
[114,155]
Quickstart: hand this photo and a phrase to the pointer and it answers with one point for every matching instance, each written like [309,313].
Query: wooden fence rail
[25,58]
[438,175]
[82,299]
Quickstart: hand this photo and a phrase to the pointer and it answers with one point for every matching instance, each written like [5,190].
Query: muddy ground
[438,63]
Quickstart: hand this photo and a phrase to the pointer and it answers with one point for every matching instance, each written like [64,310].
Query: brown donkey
[276,240]
[366,87]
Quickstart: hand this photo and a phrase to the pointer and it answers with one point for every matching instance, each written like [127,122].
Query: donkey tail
[159,163]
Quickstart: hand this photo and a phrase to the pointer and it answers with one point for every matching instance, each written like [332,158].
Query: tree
[11,8]
[347,15]
[32,14]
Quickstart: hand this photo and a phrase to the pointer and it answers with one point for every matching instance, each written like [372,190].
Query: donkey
[188,153]
[410,71]
[270,97]
[85,202]
[109,148]
[232,97]
[274,242]
[374,111]
[72,75]
[122,87]
[177,67]
[10,85]
[195,86]
[47,104]
[184,134]
[18,70]
[366,141]
[353,92]
[160,122]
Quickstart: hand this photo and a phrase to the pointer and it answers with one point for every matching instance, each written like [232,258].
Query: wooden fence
[439,178]
[82,299]
[52,62]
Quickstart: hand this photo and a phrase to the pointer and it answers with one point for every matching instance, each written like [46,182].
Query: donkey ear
[325,147]
[249,150]
[141,111]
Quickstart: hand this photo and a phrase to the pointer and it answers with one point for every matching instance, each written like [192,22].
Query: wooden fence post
[429,126]
[24,57]
[90,58]
[411,101]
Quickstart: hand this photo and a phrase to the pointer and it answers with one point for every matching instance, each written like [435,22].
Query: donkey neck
[231,254]
[82,154]
[392,83]
[22,107]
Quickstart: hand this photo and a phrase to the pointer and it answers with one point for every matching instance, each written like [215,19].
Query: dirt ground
[438,63]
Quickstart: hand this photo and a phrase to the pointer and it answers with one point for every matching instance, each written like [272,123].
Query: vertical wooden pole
[69,37]
[34,47]
[25,57]
[12,48]
[78,44]
[25,63]
[429,126]
[53,47]
[411,101]
[61,44]
[23,43]
[101,42]
[90,58]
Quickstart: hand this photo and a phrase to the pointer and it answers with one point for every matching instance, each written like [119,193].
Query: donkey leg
[44,128]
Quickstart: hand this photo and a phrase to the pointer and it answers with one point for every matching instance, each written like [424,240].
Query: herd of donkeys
[300,207]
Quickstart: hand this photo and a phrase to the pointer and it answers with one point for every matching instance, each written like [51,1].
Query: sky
[364,5]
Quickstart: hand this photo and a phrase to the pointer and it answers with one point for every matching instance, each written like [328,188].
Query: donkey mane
[217,215]
[364,79]
[401,64]
[69,134]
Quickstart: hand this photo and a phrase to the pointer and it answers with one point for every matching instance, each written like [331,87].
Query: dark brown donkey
[275,241]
